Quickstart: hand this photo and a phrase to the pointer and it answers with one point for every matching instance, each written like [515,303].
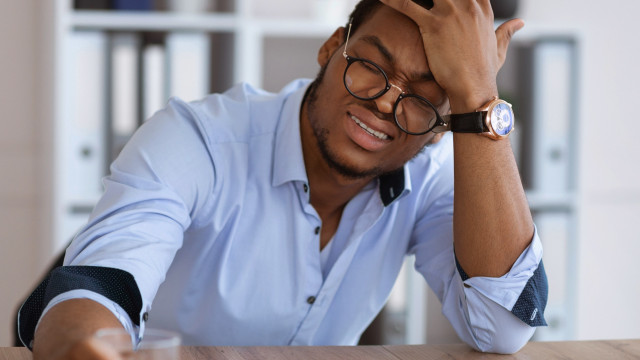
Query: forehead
[397,33]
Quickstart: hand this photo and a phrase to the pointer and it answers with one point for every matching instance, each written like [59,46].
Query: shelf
[226,22]
[551,202]
[153,21]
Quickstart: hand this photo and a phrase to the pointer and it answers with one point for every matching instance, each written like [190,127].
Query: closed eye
[369,67]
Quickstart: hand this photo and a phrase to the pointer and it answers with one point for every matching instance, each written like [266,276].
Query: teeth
[378,134]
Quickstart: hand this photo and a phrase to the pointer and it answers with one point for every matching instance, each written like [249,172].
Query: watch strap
[472,122]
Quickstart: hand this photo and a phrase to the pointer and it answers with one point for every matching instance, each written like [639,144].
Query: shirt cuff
[112,306]
[117,285]
[523,290]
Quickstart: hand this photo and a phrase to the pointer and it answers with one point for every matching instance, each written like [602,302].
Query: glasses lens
[364,80]
[415,115]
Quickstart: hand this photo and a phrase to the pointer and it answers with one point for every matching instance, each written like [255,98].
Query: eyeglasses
[366,80]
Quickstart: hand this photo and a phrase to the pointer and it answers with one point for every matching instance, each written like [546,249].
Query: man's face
[359,138]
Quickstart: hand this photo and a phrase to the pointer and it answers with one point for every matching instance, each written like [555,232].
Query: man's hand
[66,332]
[90,349]
[465,54]
[463,51]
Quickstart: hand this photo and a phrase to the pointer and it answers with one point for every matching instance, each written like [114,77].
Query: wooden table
[610,349]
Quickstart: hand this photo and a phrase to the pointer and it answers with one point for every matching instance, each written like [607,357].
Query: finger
[414,11]
[485,5]
[504,33]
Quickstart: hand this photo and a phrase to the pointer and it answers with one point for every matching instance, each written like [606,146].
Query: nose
[386,102]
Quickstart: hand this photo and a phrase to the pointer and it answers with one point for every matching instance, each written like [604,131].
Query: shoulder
[238,114]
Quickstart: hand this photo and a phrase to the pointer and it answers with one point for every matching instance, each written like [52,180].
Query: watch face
[502,119]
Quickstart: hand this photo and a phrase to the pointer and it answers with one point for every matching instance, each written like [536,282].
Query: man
[258,219]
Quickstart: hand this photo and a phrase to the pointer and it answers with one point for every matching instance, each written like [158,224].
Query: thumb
[503,35]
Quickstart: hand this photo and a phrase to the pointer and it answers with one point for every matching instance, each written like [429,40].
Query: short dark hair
[363,10]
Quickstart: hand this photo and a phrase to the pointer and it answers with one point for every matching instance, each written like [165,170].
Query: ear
[330,46]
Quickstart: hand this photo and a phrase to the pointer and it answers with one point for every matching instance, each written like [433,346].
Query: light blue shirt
[208,208]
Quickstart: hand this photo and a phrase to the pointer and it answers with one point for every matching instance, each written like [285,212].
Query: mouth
[378,134]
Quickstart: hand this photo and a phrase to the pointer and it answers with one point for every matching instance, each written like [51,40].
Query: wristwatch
[493,120]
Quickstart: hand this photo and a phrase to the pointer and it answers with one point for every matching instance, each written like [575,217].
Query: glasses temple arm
[344,52]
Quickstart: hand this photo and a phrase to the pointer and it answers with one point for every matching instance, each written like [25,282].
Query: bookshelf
[241,44]
[234,39]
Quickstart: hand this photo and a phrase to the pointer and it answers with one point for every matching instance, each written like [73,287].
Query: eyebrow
[375,41]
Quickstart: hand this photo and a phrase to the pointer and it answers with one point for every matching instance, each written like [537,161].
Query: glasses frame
[439,126]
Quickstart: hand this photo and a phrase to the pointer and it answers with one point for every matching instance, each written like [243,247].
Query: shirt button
[145,316]
[317,230]
[311,299]
[305,187]
[466,285]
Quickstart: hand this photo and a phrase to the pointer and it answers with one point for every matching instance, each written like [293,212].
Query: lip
[364,138]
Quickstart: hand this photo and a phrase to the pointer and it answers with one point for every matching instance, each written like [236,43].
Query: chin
[348,168]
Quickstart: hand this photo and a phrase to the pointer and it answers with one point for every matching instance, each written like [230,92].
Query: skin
[487,183]
[326,117]
[65,332]
[463,54]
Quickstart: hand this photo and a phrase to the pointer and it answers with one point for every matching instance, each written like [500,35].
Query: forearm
[68,324]
[492,222]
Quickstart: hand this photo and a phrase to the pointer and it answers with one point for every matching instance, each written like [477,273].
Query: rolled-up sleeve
[160,180]
[490,314]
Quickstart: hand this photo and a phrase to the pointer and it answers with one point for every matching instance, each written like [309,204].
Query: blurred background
[78,77]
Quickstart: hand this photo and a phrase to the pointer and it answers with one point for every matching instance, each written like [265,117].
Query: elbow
[507,340]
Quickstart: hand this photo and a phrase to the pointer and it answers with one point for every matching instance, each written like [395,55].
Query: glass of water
[156,345]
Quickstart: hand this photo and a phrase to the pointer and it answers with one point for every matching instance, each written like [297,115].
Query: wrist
[471,101]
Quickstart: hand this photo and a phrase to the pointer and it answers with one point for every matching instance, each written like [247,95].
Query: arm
[491,215]
[65,332]
[498,293]
[493,314]
[134,232]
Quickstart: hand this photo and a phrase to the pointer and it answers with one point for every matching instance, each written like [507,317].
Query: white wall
[609,171]
[19,148]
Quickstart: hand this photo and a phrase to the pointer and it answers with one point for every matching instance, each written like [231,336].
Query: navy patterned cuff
[532,300]
[117,285]
[463,274]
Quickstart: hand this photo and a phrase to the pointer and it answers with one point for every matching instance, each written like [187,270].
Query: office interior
[571,75]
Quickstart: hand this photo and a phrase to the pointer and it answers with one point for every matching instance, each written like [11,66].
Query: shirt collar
[395,185]
[289,165]
[288,162]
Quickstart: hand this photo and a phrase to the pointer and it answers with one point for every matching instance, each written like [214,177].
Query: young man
[251,218]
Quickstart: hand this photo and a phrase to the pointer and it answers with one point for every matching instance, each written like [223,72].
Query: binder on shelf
[154,89]
[124,91]
[188,65]
[553,112]
[81,140]
[84,143]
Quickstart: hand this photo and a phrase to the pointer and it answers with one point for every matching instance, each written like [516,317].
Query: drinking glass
[156,345]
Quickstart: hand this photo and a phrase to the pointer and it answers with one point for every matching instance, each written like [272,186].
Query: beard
[322,134]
